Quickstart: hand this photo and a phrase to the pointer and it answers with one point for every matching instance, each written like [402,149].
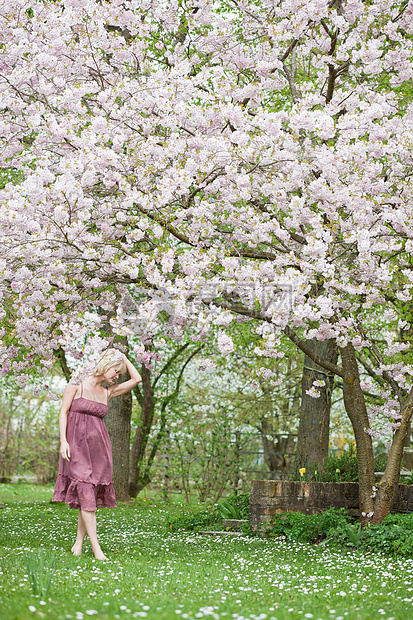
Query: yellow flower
[302,471]
[337,471]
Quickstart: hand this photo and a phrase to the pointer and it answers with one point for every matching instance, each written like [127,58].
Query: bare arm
[68,396]
[126,386]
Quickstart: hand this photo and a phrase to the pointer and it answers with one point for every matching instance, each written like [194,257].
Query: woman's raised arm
[123,388]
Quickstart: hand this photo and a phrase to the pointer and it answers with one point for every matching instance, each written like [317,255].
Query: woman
[85,470]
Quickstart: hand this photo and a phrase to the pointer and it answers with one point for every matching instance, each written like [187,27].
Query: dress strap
[81,389]
[107,396]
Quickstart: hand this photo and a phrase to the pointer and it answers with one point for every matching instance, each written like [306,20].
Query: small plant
[306,528]
[234,507]
[354,534]
[394,536]
[40,572]
[193,521]
[227,510]
[304,473]
[343,468]
[406,479]
[380,461]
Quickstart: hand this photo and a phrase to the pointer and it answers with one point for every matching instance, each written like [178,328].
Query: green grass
[158,574]
[25,492]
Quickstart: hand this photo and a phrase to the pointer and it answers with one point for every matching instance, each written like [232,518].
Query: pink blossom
[225,343]
[181,188]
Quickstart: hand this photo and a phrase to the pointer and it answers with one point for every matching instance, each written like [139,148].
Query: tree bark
[387,489]
[140,441]
[118,423]
[314,427]
[356,410]
[277,447]
[237,468]
[140,471]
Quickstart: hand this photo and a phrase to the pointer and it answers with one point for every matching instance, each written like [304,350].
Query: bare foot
[99,555]
[76,549]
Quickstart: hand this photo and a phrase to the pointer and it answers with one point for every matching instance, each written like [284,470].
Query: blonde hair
[109,359]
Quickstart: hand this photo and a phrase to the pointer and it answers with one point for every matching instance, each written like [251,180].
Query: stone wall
[271,497]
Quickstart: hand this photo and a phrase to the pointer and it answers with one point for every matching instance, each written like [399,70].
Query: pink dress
[86,480]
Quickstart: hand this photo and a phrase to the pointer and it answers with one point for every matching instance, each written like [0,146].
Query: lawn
[155,573]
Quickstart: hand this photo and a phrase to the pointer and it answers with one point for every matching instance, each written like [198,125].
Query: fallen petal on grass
[163,575]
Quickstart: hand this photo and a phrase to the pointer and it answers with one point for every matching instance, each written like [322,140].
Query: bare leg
[81,533]
[89,520]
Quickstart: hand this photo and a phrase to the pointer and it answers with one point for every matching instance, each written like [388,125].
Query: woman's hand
[65,450]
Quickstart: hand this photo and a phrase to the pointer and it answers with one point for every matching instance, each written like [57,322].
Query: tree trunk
[167,468]
[118,423]
[140,471]
[276,447]
[138,478]
[237,467]
[357,412]
[314,426]
[387,489]
[374,505]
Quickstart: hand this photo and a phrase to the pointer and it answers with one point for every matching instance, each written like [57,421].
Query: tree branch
[178,382]
[305,348]
[387,376]
[301,344]
[170,361]
[61,355]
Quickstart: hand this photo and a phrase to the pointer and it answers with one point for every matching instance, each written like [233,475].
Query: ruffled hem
[83,495]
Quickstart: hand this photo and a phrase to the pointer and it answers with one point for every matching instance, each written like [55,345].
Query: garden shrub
[342,468]
[232,507]
[345,535]
[394,536]
[306,528]
[235,507]
[406,479]
[333,518]
[194,521]
[380,461]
